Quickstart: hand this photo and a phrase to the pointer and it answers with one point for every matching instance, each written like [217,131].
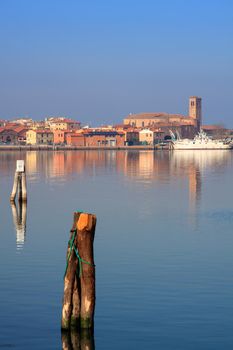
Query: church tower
[195,110]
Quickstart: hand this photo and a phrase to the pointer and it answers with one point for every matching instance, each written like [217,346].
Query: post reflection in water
[82,339]
[19,218]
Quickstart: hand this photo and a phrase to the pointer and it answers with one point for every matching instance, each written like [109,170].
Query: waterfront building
[13,134]
[131,134]
[75,139]
[60,136]
[8,136]
[96,138]
[21,134]
[146,137]
[131,137]
[150,136]
[39,137]
[104,138]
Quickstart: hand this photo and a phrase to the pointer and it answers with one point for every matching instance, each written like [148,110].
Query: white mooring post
[19,183]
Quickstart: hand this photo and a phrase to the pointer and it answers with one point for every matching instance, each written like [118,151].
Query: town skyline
[99,123]
[155,130]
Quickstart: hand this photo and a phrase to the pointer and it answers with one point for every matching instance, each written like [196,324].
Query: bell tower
[195,110]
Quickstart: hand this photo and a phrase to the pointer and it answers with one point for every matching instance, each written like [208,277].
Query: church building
[187,126]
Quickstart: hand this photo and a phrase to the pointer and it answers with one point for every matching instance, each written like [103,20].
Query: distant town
[142,129]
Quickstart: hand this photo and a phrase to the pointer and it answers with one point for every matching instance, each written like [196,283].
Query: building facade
[60,136]
[60,123]
[8,136]
[39,137]
[131,137]
[74,139]
[146,137]
[104,139]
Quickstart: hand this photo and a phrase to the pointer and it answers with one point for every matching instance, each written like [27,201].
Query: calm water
[163,248]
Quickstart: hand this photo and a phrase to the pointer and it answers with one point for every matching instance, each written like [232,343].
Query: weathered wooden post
[75,316]
[24,187]
[79,280]
[69,278]
[86,232]
[15,187]
[19,182]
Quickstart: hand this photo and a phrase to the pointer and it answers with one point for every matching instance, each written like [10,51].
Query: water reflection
[19,215]
[78,340]
[194,165]
[145,167]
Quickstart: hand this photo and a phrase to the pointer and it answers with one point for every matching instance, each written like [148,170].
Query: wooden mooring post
[79,280]
[19,183]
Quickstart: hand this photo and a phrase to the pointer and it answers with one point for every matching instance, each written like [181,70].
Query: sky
[99,60]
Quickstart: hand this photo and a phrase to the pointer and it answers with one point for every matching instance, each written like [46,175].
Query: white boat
[200,141]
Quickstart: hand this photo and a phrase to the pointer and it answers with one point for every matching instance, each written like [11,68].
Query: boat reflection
[82,339]
[195,165]
[19,215]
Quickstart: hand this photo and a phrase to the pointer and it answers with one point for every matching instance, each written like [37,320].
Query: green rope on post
[71,244]
[80,260]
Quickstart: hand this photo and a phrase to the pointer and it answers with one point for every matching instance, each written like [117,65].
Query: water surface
[163,247]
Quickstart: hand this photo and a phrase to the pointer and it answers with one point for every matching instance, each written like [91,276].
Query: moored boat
[200,141]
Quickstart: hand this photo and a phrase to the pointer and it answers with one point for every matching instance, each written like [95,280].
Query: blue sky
[98,60]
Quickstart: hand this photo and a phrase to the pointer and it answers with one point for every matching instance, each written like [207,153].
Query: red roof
[45,131]
[151,115]
[64,131]
[213,127]
[20,129]
[11,125]
[7,129]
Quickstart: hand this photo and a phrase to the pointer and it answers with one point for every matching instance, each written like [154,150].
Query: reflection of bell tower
[195,110]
